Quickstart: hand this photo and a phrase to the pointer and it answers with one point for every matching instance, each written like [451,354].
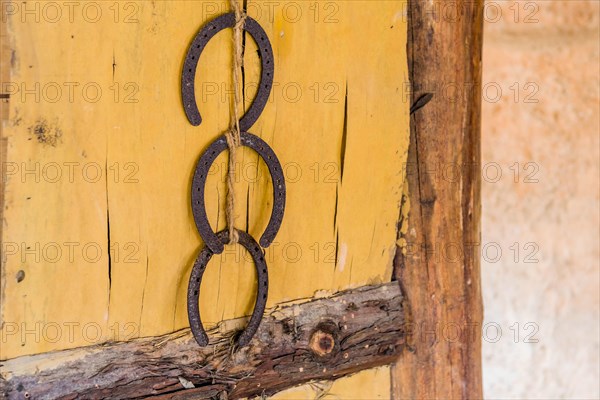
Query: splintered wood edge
[324,338]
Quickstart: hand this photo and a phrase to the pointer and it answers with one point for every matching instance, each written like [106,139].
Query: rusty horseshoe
[190,64]
[199,182]
[193,294]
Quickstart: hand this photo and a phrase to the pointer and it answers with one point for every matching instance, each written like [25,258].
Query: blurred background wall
[540,151]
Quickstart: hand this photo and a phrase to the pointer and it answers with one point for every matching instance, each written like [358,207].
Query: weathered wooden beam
[319,339]
[438,267]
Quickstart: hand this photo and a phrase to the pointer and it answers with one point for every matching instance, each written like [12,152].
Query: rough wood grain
[320,339]
[438,266]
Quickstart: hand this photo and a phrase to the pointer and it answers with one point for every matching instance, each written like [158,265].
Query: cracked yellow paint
[98,219]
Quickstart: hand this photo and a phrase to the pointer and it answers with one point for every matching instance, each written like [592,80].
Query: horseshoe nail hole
[198,46]
[264,270]
[195,293]
[268,62]
[262,38]
[193,57]
[190,70]
[197,279]
[264,295]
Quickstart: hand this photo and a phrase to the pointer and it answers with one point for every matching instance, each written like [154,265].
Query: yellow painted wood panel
[371,384]
[100,158]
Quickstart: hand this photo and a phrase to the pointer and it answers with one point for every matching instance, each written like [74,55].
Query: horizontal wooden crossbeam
[319,339]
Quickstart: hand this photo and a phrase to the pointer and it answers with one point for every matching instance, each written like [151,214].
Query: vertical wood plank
[438,266]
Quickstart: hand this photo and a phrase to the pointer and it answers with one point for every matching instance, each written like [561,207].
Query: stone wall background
[542,289]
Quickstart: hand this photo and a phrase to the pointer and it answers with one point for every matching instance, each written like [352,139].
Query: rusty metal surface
[202,168]
[193,55]
[196,280]
[214,242]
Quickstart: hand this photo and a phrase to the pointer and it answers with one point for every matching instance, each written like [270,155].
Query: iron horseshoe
[193,55]
[202,167]
[196,279]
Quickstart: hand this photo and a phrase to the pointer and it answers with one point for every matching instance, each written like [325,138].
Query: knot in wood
[322,343]
[323,340]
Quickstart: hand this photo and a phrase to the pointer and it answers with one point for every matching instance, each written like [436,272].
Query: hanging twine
[233,134]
